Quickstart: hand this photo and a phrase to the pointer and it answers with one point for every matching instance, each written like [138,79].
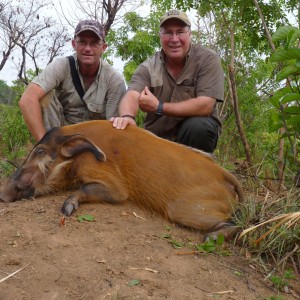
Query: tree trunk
[238,117]
[264,25]
[235,100]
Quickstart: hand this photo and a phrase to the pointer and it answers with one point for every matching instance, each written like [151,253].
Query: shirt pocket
[185,92]
[97,111]
[96,107]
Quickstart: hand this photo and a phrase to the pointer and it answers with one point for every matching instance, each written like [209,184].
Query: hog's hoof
[228,230]
[69,207]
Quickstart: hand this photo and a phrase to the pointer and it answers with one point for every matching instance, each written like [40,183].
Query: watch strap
[159,110]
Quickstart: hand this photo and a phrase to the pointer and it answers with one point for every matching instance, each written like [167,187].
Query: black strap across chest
[76,79]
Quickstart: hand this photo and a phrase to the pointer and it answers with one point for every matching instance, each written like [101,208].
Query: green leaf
[285,54]
[276,98]
[294,120]
[208,246]
[220,239]
[290,98]
[176,244]
[292,110]
[133,282]
[275,127]
[237,273]
[294,37]
[287,71]
[275,102]
[168,227]
[274,116]
[282,33]
[166,236]
[88,218]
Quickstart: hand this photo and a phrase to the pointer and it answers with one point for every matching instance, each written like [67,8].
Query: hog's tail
[237,186]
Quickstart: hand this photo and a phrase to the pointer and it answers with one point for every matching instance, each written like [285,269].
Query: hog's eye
[40,151]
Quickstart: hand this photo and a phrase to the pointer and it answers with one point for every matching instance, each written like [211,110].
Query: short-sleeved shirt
[102,97]
[202,75]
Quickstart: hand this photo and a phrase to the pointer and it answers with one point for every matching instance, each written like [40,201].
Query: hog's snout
[4,197]
[13,193]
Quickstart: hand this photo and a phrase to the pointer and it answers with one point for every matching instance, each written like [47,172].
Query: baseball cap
[90,25]
[175,14]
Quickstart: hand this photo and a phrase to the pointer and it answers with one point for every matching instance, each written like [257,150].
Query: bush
[14,136]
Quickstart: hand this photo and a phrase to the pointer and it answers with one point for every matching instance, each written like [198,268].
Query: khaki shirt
[102,97]
[202,76]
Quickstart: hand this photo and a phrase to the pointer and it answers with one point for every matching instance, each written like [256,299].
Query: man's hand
[122,122]
[147,101]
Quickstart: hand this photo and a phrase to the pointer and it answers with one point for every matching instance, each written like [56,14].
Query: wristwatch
[159,110]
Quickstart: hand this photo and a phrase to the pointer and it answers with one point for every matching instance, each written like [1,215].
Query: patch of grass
[140,117]
[6,169]
[14,137]
[280,282]
[271,233]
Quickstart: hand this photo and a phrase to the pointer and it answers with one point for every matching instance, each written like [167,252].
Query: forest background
[258,42]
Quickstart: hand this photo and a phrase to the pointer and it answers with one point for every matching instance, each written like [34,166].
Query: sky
[10,72]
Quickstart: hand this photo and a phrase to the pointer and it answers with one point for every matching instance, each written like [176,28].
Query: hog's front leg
[92,192]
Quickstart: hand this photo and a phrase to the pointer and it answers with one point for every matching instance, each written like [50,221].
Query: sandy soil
[122,254]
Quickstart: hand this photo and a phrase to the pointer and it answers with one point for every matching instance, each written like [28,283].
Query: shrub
[14,136]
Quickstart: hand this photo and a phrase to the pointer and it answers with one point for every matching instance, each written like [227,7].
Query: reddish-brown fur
[110,165]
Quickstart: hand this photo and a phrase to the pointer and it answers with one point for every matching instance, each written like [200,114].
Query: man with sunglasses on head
[52,100]
[178,88]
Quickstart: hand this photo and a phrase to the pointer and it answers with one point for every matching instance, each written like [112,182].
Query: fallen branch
[12,274]
[138,216]
[222,292]
[8,273]
[147,269]
[187,252]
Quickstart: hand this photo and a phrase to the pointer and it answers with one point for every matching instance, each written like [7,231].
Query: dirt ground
[122,254]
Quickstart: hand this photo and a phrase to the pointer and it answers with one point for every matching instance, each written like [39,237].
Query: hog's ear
[77,144]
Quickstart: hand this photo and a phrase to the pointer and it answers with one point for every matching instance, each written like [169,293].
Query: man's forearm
[33,118]
[193,107]
[31,110]
[129,104]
